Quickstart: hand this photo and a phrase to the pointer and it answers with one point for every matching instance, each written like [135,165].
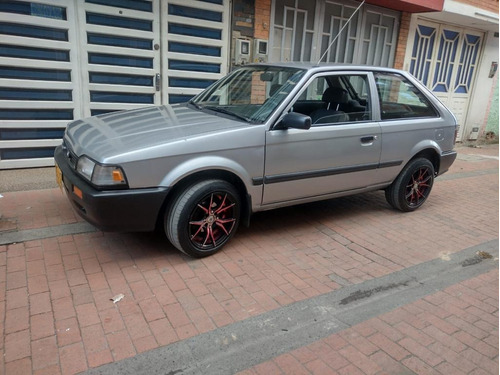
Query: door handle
[368,140]
[157,81]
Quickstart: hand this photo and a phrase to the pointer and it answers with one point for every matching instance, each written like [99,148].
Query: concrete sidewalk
[346,286]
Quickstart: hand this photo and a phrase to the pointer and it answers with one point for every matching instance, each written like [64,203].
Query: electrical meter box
[242,52]
[260,50]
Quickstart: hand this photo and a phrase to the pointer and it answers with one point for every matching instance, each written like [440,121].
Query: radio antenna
[338,34]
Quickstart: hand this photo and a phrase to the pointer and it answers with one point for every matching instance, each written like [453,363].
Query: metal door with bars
[445,59]
[302,30]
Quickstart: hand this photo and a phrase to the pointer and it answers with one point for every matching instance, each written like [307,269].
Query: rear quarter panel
[402,139]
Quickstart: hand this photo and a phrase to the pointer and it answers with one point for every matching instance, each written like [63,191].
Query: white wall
[481,96]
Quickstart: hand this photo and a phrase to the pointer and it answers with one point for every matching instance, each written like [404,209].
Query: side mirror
[294,120]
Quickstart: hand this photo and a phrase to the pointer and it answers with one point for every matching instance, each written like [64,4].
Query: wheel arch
[208,174]
[430,154]
[428,150]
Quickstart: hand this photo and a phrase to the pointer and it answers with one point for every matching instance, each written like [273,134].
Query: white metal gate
[39,80]
[118,61]
[76,58]
[445,59]
[195,39]
[302,30]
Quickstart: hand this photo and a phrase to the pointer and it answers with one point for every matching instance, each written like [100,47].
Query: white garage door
[75,58]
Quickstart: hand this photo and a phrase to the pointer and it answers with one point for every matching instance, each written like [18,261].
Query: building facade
[455,53]
[62,60]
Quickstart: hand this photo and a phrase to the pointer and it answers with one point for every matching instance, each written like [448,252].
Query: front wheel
[411,188]
[203,217]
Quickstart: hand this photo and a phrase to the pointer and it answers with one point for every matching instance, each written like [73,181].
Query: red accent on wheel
[212,220]
[418,188]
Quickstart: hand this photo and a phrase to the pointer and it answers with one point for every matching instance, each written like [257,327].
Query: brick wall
[404,29]
[243,17]
[258,95]
[262,19]
[489,5]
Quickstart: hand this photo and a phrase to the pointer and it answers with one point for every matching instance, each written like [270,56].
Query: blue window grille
[33,9]
[145,6]
[33,53]
[27,153]
[189,30]
[120,60]
[174,99]
[119,97]
[31,31]
[118,41]
[23,134]
[115,21]
[201,14]
[121,79]
[195,49]
[8,93]
[193,66]
[190,82]
[36,114]
[35,74]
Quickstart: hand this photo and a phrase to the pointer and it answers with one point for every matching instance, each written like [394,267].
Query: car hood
[113,134]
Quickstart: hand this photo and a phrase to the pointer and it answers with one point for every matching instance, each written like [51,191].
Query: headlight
[85,167]
[100,175]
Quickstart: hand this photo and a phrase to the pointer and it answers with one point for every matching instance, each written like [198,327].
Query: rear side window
[399,98]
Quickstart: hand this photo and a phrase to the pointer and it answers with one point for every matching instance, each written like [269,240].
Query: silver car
[265,136]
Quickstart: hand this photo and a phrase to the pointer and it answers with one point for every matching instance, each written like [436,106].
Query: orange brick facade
[489,5]
[404,29]
[262,19]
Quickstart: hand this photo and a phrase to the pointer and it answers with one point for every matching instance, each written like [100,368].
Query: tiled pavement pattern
[57,318]
[454,331]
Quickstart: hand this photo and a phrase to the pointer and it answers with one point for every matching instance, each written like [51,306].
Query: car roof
[328,66]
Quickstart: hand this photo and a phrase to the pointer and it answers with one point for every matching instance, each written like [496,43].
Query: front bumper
[447,159]
[130,210]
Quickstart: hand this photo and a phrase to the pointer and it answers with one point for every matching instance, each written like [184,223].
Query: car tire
[203,217]
[413,185]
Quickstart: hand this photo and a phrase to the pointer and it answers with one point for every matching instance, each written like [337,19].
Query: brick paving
[443,333]
[56,316]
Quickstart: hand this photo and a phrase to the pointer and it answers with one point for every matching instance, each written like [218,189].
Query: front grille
[70,155]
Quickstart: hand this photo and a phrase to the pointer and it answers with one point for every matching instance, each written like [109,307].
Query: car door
[332,156]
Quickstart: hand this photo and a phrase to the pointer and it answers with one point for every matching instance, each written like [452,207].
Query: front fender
[206,163]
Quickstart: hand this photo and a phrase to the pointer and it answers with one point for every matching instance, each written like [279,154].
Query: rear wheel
[412,187]
[203,217]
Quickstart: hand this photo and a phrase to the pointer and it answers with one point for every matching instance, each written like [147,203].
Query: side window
[399,98]
[360,85]
[335,99]
[315,90]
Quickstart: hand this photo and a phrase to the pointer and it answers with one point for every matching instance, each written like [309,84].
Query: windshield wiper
[196,105]
[227,112]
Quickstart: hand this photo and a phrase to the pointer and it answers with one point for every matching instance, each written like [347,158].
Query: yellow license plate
[59,177]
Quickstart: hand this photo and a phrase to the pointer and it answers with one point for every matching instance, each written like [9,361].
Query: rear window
[399,98]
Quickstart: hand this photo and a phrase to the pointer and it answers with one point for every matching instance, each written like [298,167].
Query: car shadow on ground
[302,218]
[344,208]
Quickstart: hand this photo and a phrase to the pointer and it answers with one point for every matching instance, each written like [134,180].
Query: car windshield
[250,93]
